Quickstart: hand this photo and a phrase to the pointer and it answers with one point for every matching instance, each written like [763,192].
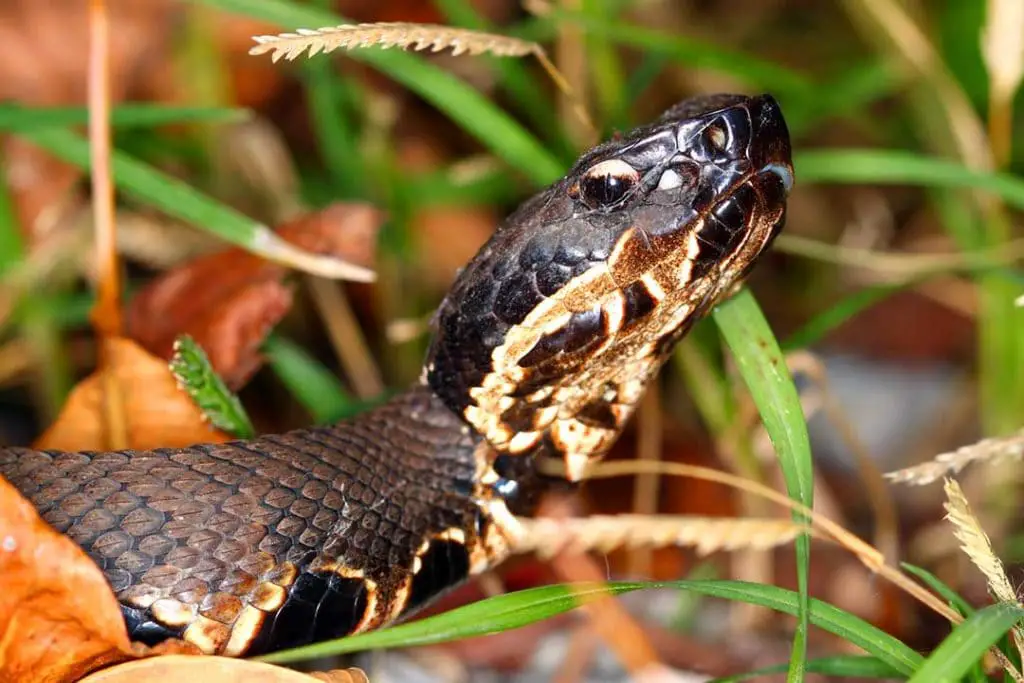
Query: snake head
[548,338]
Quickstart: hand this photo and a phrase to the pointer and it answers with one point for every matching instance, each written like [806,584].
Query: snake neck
[516,481]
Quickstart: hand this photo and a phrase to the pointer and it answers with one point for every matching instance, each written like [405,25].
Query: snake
[540,352]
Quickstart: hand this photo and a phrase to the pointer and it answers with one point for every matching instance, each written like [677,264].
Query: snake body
[542,348]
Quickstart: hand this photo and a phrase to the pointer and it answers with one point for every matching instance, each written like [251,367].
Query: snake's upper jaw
[770,146]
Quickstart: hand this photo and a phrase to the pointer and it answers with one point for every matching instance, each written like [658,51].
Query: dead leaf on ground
[58,617]
[228,302]
[157,413]
[219,669]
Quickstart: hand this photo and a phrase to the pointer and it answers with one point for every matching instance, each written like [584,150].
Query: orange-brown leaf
[228,302]
[58,617]
[219,669]
[156,412]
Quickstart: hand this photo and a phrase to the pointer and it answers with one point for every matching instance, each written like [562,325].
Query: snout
[771,150]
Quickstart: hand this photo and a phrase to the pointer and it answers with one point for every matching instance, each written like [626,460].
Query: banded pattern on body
[543,347]
[253,546]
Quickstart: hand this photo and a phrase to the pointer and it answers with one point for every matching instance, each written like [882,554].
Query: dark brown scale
[598,414]
[179,522]
[446,563]
[519,417]
[552,277]
[321,606]
[516,298]
[723,229]
[639,303]
[582,329]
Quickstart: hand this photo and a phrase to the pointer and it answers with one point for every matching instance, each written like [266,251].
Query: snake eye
[607,182]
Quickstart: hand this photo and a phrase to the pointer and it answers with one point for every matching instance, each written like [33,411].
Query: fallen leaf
[218,669]
[229,301]
[58,617]
[157,413]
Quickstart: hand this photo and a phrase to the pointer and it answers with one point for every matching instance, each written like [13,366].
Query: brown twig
[349,345]
[106,315]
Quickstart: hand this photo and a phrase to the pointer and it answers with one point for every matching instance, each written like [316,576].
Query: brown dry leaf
[230,300]
[219,669]
[158,413]
[58,618]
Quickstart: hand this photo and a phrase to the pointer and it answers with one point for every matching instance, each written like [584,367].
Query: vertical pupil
[605,188]
[612,188]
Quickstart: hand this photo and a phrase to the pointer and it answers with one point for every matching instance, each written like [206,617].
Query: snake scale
[541,350]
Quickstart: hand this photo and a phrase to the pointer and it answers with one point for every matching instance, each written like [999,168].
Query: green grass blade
[764,370]
[850,628]
[514,610]
[474,113]
[605,68]
[16,118]
[895,167]
[12,244]
[847,666]
[316,388]
[527,95]
[752,70]
[836,314]
[962,649]
[847,95]
[493,615]
[180,200]
[1001,359]
[976,674]
[195,375]
[940,587]
[640,78]
[334,130]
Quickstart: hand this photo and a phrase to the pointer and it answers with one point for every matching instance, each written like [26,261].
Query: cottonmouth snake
[541,349]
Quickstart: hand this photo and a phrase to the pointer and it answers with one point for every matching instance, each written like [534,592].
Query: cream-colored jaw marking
[615,373]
